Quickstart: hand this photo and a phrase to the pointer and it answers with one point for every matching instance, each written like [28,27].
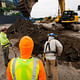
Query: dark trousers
[6,55]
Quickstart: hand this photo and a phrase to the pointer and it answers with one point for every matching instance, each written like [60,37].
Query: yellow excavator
[68,18]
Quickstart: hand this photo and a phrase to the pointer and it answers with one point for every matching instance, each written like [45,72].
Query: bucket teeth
[22,7]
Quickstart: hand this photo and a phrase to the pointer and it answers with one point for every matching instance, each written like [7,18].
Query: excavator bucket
[25,6]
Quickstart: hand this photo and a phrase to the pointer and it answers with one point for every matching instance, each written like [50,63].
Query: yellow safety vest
[24,69]
[3,39]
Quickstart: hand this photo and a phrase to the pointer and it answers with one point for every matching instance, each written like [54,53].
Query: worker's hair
[3,28]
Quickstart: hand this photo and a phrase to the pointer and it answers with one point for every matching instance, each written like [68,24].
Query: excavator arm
[62,6]
[67,16]
[25,6]
[60,10]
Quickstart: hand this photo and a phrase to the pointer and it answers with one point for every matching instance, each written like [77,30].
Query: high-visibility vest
[3,38]
[24,69]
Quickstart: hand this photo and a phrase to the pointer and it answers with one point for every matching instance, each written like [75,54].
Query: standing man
[26,67]
[52,48]
[5,44]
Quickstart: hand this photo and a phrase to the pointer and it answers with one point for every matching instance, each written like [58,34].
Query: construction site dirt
[69,39]
[68,63]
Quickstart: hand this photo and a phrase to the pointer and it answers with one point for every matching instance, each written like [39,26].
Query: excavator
[68,18]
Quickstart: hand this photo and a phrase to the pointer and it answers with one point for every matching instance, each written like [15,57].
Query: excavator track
[72,26]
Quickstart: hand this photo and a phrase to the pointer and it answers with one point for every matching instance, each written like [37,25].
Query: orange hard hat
[26,45]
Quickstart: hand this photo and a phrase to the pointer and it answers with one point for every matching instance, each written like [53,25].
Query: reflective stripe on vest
[35,69]
[13,69]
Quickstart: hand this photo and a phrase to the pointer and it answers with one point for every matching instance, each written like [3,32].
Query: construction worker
[52,48]
[26,67]
[5,44]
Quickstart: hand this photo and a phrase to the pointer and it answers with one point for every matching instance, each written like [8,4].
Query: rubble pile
[38,33]
[71,48]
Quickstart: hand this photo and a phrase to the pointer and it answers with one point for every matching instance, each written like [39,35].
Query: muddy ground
[69,39]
